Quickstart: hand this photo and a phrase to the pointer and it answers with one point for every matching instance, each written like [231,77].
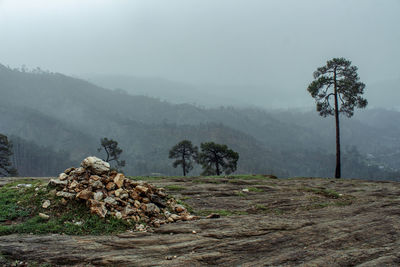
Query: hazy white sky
[239,42]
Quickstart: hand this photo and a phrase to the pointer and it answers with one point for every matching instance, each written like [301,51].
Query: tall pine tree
[336,89]
[185,153]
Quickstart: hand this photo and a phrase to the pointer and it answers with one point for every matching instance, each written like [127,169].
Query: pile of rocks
[108,193]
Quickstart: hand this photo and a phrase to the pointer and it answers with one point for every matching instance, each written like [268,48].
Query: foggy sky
[274,45]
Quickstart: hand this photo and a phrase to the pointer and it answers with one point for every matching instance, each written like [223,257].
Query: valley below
[260,222]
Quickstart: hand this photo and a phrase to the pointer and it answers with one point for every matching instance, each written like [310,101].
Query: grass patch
[323,192]
[255,189]
[265,210]
[15,202]
[278,211]
[19,209]
[245,177]
[251,177]
[146,178]
[174,187]
[240,194]
[329,204]
[221,212]
[208,181]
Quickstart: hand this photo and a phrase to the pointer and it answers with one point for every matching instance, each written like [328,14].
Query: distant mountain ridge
[70,115]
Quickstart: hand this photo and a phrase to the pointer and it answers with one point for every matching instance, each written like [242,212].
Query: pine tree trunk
[183,163]
[338,164]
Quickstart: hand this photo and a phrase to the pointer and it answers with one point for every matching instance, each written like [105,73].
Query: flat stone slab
[284,223]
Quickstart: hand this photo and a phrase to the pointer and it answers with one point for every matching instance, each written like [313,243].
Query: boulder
[110,200]
[98,196]
[62,176]
[98,208]
[69,170]
[110,186]
[84,194]
[141,189]
[95,165]
[57,182]
[65,194]
[78,171]
[152,209]
[119,180]
[179,208]
[97,184]
[118,192]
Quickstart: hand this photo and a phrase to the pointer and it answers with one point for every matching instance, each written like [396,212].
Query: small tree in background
[216,159]
[6,168]
[185,153]
[112,150]
[337,82]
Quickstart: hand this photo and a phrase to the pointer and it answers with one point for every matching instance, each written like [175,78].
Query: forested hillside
[63,119]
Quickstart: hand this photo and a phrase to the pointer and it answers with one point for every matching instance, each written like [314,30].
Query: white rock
[175,217]
[118,215]
[118,192]
[44,216]
[65,194]
[128,210]
[119,180]
[24,185]
[95,165]
[245,190]
[57,182]
[73,184]
[98,196]
[110,200]
[46,204]
[124,196]
[62,176]
[152,208]
[97,184]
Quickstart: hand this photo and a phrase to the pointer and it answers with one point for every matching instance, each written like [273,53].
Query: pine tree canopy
[217,158]
[185,153]
[349,89]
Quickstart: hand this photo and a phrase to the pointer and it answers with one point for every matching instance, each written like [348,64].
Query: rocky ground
[264,222]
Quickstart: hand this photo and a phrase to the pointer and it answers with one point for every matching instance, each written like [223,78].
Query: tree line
[336,89]
[215,159]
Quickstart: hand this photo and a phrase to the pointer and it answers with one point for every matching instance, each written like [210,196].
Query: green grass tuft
[174,187]
[255,189]
[19,209]
[240,194]
[323,192]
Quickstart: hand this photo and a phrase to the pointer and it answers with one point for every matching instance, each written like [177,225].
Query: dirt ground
[265,222]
